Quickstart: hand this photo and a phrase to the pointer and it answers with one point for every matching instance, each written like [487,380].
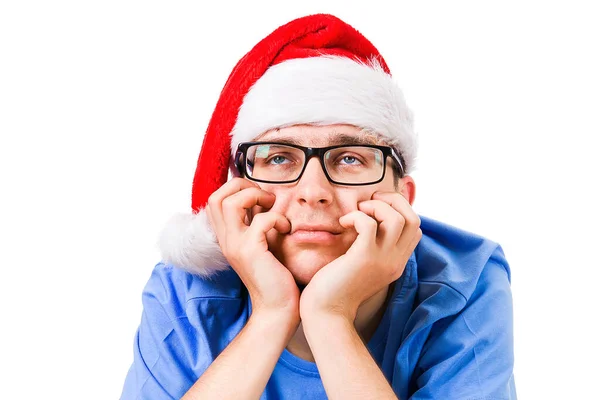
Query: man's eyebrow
[334,139]
[284,140]
[342,138]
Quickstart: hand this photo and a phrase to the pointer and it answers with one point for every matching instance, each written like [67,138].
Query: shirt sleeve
[470,355]
[161,349]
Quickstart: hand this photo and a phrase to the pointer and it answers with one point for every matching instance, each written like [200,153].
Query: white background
[102,110]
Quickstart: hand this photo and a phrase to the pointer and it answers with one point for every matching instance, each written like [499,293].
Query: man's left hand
[388,232]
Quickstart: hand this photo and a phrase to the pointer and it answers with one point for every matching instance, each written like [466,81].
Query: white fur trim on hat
[328,90]
[188,242]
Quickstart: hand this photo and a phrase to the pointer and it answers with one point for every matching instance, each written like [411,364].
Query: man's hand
[271,286]
[249,358]
[388,232]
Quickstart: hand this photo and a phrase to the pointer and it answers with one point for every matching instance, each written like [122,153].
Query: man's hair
[397,176]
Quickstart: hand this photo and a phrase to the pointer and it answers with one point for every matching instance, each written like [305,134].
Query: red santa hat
[313,70]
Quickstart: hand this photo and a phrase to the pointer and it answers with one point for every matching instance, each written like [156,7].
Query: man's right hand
[271,286]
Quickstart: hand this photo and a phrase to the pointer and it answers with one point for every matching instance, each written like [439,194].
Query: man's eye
[349,160]
[278,159]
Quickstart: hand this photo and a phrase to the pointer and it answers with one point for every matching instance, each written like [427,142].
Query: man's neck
[367,320]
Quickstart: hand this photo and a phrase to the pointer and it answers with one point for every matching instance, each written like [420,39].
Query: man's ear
[408,188]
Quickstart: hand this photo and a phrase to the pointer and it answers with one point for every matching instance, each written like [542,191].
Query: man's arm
[246,365]
[171,355]
[388,232]
[347,369]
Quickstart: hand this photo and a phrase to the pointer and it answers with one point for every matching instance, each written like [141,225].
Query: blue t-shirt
[295,378]
[446,332]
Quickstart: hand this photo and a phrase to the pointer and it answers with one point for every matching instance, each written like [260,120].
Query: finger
[214,207]
[412,222]
[255,211]
[365,226]
[391,222]
[230,187]
[236,206]
[396,200]
[264,222]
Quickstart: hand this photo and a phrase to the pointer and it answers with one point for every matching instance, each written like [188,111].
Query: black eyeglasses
[350,165]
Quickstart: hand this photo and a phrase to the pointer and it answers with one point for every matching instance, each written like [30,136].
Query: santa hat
[313,70]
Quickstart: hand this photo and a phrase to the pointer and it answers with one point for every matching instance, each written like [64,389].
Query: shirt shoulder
[181,295]
[455,257]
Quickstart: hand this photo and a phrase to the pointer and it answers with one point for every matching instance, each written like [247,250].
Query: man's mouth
[327,228]
[315,237]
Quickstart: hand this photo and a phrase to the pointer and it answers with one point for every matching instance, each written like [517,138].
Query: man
[308,274]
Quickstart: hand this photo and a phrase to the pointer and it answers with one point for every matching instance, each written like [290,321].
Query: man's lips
[316,237]
[315,228]
[317,234]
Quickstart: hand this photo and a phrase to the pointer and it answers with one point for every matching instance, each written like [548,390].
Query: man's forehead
[320,136]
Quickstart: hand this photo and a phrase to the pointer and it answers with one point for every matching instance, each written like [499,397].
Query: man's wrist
[326,321]
[310,313]
[283,320]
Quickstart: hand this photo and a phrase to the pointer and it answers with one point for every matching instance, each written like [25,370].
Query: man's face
[313,205]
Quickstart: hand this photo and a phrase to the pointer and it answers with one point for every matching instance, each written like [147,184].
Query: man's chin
[303,265]
[303,276]
[302,280]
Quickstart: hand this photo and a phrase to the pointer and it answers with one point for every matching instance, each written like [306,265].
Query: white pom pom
[188,242]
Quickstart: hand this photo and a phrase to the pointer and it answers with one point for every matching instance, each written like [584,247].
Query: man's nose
[313,187]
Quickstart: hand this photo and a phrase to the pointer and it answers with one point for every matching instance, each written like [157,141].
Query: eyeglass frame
[319,152]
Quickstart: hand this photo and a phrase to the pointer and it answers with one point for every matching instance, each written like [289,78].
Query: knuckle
[413,220]
[378,204]
[400,220]
[235,182]
[361,214]
[228,203]
[252,192]
[212,200]
[263,219]
[390,271]
[372,224]
[383,195]
[260,218]
[397,273]
[357,214]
